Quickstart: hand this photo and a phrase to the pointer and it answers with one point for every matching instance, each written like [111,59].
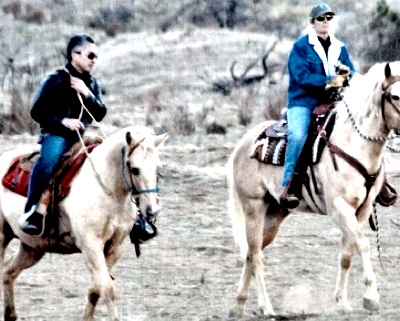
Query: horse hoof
[371,305]
[233,314]
[267,312]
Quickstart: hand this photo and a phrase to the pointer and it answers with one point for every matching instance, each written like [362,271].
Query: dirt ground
[190,271]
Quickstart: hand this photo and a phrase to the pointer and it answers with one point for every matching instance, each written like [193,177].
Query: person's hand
[80,86]
[73,123]
[337,82]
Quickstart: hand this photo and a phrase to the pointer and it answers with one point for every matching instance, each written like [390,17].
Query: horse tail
[235,209]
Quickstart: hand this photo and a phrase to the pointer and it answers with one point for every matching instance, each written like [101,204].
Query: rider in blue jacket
[311,65]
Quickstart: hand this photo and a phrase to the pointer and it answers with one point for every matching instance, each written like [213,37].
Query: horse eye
[395,97]
[135,171]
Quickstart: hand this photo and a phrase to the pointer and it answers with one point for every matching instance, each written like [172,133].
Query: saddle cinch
[16,179]
[270,148]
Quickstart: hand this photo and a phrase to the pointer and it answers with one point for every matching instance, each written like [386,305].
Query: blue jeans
[299,119]
[51,151]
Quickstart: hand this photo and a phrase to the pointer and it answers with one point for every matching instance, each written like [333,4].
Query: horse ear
[128,138]
[388,71]
[160,139]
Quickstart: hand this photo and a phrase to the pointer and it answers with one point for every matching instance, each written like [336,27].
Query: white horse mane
[364,92]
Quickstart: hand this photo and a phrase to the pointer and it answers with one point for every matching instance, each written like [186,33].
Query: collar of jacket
[86,77]
[333,51]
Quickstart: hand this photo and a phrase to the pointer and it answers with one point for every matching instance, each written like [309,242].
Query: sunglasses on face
[322,18]
[90,55]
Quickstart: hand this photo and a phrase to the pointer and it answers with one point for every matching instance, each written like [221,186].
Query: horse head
[142,170]
[386,93]
[390,101]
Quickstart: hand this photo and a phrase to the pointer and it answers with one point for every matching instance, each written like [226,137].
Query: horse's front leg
[102,282]
[371,295]
[345,260]
[354,239]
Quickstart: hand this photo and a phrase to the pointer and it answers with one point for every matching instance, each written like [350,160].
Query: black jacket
[56,100]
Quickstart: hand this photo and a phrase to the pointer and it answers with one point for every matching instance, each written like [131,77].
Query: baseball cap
[320,9]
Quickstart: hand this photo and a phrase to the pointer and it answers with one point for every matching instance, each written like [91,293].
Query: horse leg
[371,295]
[346,258]
[354,239]
[6,235]
[255,211]
[102,282]
[23,259]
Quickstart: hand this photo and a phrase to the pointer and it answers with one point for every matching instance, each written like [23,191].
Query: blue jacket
[310,70]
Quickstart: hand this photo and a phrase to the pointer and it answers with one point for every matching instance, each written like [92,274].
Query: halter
[130,185]
[386,96]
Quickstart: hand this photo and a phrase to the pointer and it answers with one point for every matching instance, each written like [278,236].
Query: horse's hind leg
[261,229]
[23,259]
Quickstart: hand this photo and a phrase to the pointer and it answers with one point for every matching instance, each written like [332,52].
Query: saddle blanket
[16,178]
[269,150]
[270,145]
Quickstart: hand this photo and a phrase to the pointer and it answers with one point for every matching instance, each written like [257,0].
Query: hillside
[162,76]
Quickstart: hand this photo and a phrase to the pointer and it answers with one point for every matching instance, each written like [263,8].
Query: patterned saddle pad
[270,145]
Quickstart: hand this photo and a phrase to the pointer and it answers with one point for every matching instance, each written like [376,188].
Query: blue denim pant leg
[299,119]
[51,151]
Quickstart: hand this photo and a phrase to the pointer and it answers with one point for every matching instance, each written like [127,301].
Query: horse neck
[107,162]
[358,133]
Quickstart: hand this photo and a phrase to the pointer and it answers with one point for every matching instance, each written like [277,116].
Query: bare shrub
[24,12]
[384,25]
[112,20]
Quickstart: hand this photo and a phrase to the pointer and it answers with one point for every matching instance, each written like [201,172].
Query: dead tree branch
[236,81]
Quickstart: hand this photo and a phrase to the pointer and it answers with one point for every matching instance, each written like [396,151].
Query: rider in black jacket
[57,100]
[59,111]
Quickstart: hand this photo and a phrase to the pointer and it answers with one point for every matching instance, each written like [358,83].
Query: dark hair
[75,41]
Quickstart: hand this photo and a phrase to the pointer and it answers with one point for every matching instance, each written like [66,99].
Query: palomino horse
[370,108]
[118,179]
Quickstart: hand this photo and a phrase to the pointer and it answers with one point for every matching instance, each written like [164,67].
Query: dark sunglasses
[322,18]
[90,56]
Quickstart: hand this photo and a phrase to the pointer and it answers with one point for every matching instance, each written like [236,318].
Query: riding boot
[387,195]
[32,221]
[289,197]
[141,232]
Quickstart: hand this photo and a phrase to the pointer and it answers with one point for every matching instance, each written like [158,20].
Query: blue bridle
[131,187]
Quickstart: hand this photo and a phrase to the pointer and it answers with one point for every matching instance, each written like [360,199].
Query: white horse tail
[235,210]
